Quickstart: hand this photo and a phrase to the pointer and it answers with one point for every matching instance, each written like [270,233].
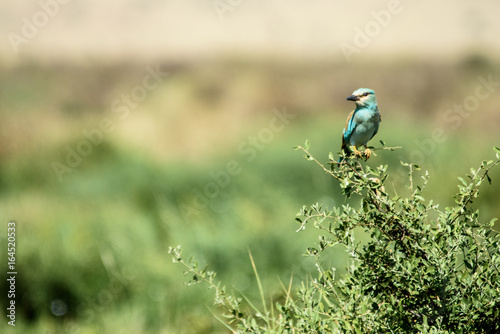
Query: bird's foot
[368,153]
[356,152]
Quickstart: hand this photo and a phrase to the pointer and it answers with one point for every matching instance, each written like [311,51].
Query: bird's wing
[376,130]
[349,127]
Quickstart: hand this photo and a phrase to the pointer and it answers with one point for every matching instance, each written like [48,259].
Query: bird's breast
[367,122]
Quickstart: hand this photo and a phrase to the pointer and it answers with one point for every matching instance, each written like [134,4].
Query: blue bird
[362,123]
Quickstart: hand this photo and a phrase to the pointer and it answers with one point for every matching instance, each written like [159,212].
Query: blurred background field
[92,239]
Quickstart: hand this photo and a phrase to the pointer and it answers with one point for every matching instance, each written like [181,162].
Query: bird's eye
[365,94]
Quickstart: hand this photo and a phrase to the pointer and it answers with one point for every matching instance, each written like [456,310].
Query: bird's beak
[353,98]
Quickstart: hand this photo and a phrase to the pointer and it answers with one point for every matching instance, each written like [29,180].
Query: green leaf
[391,245]
[420,198]
[462,180]
[307,144]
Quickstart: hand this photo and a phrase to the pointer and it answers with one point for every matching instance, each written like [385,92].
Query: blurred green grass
[98,239]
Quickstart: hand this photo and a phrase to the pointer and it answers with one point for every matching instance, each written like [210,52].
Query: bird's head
[363,97]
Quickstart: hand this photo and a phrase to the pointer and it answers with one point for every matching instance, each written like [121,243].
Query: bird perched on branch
[362,123]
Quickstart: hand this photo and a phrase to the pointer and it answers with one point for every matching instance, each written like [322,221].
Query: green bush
[416,269]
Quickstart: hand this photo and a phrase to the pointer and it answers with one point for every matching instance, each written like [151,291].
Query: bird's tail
[344,149]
